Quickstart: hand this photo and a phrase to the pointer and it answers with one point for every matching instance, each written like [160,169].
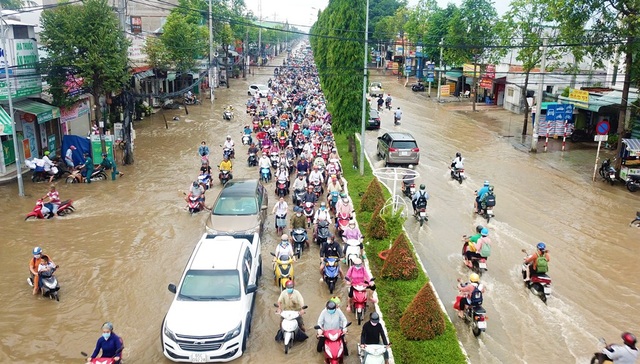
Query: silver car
[398,148]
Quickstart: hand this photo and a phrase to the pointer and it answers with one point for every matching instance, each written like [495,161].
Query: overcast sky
[303,12]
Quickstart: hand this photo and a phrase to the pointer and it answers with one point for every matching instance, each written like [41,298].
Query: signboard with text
[579,95]
[468,70]
[430,72]
[559,112]
[445,90]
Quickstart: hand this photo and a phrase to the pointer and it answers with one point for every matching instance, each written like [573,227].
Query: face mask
[284,243]
[357,266]
[106,335]
[298,214]
[322,208]
[289,290]
[37,256]
[332,311]
[374,323]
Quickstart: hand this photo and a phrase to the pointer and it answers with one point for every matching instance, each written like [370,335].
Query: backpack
[542,264]
[475,299]
[485,251]
[422,199]
[490,200]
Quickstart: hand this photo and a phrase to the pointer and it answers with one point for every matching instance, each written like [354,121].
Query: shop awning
[43,112]
[632,145]
[171,76]
[6,124]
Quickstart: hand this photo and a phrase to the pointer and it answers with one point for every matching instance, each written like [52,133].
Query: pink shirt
[358,276]
[54,197]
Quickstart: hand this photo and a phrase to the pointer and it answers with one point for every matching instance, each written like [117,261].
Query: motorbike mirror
[348,324]
[317,327]
[264,207]
[172,288]
[524,251]
[305,307]
[272,253]
[372,279]
[275,305]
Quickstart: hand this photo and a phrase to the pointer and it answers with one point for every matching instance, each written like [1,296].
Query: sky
[303,12]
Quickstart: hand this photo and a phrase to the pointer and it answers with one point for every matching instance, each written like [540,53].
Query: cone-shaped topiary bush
[377,228]
[423,319]
[372,197]
[400,263]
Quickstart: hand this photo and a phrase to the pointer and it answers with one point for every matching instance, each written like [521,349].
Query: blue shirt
[483,190]
[110,348]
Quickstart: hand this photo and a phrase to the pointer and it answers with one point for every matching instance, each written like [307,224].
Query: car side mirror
[172,288]
[379,138]
[251,288]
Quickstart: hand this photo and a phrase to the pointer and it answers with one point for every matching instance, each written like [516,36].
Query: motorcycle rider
[46,266]
[409,178]
[330,248]
[87,167]
[357,274]
[247,132]
[380,102]
[264,162]
[68,156]
[52,197]
[34,263]
[344,205]
[322,214]
[226,165]
[252,149]
[421,196]
[372,333]
[457,162]
[387,101]
[315,177]
[299,184]
[229,144]
[291,300]
[352,232]
[620,354]
[333,186]
[284,248]
[303,165]
[110,344]
[197,190]
[397,115]
[283,175]
[467,289]
[484,197]
[48,166]
[484,189]
[474,248]
[298,221]
[203,150]
[537,262]
[331,318]
[309,196]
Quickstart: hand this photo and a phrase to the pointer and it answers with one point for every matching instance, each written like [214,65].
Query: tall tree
[84,40]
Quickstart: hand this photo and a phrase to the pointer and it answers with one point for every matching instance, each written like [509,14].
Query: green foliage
[423,319]
[85,40]
[377,227]
[401,262]
[157,54]
[184,39]
[372,198]
[12,4]
[470,30]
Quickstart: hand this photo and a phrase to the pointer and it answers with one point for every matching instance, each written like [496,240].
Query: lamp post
[14,135]
[211,52]
[364,90]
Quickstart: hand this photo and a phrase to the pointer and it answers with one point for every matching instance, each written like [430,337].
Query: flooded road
[540,197]
[128,239]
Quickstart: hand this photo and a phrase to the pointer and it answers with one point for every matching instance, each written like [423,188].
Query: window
[246,267]
[209,285]
[510,92]
[404,144]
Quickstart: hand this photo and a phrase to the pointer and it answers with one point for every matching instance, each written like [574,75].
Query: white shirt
[621,354]
[398,114]
[228,144]
[47,163]
[315,176]
[282,250]
[457,163]
[321,215]
[264,162]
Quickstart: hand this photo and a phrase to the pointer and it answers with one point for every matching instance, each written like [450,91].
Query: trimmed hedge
[373,197]
[423,319]
[377,227]
[400,263]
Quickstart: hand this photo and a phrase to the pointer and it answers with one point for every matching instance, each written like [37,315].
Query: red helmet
[629,339]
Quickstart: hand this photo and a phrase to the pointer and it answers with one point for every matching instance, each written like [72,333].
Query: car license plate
[199,358]
[482,325]
[482,265]
[404,154]
[423,213]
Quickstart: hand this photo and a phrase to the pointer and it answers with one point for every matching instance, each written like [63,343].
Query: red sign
[603,127]
[490,71]
[486,82]
[136,24]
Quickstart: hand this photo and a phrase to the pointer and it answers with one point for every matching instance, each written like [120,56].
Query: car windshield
[376,84]
[373,114]
[209,285]
[404,144]
[235,205]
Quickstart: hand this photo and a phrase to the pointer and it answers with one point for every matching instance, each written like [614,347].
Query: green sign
[9,153]
[21,87]
[51,142]
[96,148]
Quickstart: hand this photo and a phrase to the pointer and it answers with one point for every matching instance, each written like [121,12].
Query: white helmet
[410,166]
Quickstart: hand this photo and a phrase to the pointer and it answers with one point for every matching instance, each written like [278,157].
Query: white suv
[263,90]
[210,317]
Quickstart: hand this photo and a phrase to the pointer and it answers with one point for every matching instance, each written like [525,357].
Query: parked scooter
[458,174]
[539,285]
[633,183]
[607,171]
[50,286]
[43,210]
[283,269]
[299,237]
[333,346]
[289,328]
[418,87]
[331,272]
[359,300]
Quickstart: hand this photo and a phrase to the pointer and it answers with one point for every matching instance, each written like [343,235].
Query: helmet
[47,153]
[484,232]
[474,277]
[289,284]
[228,136]
[479,228]
[195,183]
[343,195]
[486,183]
[629,339]
[458,154]
[541,246]
[491,188]
[104,155]
[336,300]
[374,317]
[37,250]
[108,326]
[422,186]
[331,305]
[410,166]
[352,223]
[323,204]
[356,260]
[284,237]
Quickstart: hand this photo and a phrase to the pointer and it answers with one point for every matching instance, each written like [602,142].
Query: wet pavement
[540,197]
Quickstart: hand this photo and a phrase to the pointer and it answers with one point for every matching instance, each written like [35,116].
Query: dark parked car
[374,119]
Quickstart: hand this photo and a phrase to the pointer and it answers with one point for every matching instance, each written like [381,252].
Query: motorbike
[289,327]
[633,183]
[274,159]
[372,353]
[333,199]
[458,174]
[283,269]
[59,169]
[227,114]
[317,188]
[256,126]
[228,152]
[486,208]
[265,174]
[205,180]
[282,142]
[477,265]
[190,100]
[246,139]
[333,345]
[342,222]
[43,210]
[607,171]
[353,250]
[193,204]
[418,87]
[50,286]
[409,189]
[252,160]
[299,237]
[77,177]
[297,196]
[281,188]
[359,301]
[396,120]
[476,317]
[421,212]
[331,272]
[596,359]
[322,232]
[387,105]
[224,176]
[539,285]
[308,211]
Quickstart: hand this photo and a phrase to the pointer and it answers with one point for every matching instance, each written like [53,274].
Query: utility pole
[260,34]
[14,135]
[364,90]
[245,48]
[474,87]
[536,126]
[440,71]
[210,71]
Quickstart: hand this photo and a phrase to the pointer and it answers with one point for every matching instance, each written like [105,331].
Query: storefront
[40,127]
[7,156]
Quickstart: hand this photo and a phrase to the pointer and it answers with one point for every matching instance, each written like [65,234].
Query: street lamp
[13,124]
[364,90]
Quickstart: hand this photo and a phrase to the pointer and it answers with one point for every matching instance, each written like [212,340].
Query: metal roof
[633,145]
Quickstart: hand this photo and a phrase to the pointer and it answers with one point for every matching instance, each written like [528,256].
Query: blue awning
[633,145]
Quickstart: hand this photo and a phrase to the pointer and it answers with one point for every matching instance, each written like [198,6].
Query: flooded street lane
[540,197]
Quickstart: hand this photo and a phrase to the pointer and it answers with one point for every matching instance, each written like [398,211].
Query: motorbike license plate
[482,325]
[547,290]
[461,174]
[490,212]
[404,154]
[423,213]
[482,265]
[612,175]
[198,358]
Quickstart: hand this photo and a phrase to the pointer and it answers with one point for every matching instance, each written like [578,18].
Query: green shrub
[372,197]
[400,263]
[377,227]
[423,319]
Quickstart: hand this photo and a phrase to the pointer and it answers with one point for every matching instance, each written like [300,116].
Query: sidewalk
[11,174]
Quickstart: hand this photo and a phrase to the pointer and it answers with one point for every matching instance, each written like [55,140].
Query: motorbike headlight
[233,333]
[168,333]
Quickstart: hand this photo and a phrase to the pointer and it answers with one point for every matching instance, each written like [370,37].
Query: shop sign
[21,87]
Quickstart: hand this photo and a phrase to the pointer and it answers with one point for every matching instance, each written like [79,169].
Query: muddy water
[540,197]
[127,240]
